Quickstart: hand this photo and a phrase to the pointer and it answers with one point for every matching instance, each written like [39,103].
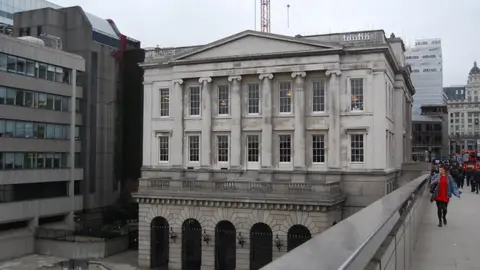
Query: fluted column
[177,136]
[236,135]
[267,129]
[299,107]
[333,96]
[206,121]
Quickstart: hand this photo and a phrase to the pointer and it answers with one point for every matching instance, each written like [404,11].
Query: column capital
[265,76]
[234,78]
[205,79]
[333,71]
[179,81]
[301,74]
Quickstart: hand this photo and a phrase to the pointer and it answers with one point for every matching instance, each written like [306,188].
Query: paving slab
[454,246]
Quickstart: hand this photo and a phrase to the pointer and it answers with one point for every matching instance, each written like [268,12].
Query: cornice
[305,206]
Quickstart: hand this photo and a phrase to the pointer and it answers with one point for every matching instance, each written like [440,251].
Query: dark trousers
[461,181]
[441,211]
[468,179]
[475,186]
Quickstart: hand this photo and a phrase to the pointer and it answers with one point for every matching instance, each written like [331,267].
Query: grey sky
[192,22]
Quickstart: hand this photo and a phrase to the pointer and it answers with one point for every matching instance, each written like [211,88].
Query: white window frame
[189,149]
[285,164]
[325,149]
[350,92]
[190,101]
[259,98]
[229,149]
[162,104]
[220,87]
[357,163]
[289,95]
[324,82]
[253,164]
[167,136]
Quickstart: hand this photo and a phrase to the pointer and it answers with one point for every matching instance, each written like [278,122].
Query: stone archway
[297,235]
[225,246]
[261,243]
[191,245]
[159,241]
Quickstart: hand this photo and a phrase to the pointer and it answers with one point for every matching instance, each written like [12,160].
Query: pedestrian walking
[442,188]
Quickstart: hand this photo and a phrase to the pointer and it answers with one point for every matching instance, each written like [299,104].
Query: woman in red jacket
[444,187]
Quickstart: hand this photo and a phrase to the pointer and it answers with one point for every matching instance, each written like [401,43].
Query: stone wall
[242,218]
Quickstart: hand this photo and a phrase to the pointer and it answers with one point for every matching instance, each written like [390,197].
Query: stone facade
[278,127]
[280,221]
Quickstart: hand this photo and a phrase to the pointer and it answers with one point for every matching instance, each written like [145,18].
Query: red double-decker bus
[470,161]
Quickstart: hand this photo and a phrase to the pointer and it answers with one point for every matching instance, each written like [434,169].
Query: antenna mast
[288,16]
[265,16]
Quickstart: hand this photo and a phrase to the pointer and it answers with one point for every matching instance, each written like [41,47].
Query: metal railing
[241,187]
[359,241]
[75,236]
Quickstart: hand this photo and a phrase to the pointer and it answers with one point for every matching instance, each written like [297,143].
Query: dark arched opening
[159,243]
[191,245]
[225,246]
[297,235]
[261,243]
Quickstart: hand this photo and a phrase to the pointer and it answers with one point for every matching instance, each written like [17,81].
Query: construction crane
[265,16]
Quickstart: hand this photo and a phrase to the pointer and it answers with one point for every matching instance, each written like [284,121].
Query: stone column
[334,135]
[206,122]
[236,135]
[177,136]
[299,107]
[267,129]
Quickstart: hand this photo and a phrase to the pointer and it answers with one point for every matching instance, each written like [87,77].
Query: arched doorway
[297,235]
[159,243]
[225,246]
[261,243]
[191,245]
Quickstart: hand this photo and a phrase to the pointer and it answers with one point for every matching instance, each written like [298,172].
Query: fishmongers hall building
[254,143]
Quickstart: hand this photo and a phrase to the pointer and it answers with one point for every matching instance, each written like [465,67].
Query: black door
[191,245]
[297,235]
[225,246]
[159,243]
[261,241]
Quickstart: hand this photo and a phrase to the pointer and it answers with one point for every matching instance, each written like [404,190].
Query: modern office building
[36,187]
[102,46]
[430,119]
[464,113]
[248,139]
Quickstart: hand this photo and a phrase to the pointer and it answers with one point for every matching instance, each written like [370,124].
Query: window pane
[318,96]
[12,64]
[2,127]
[11,95]
[356,147]
[28,99]
[58,103]
[58,74]
[41,132]
[253,149]
[3,94]
[66,75]
[163,144]
[31,68]
[223,100]
[28,130]
[285,148]
[50,131]
[51,73]
[42,71]
[253,99]
[20,129]
[356,94]
[65,104]
[164,102]
[9,161]
[318,149]
[21,66]
[9,128]
[29,161]
[42,101]
[195,100]
[56,160]
[222,147]
[285,97]
[49,160]
[40,161]
[18,160]
[50,102]
[3,62]
[194,148]
[19,98]
[58,132]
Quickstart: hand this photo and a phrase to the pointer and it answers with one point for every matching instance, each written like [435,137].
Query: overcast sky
[194,22]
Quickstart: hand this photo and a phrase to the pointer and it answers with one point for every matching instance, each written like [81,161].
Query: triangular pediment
[251,43]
